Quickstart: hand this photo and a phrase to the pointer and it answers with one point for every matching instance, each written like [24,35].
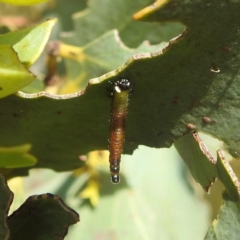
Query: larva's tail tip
[115,178]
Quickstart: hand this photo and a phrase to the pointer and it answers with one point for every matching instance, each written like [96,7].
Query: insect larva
[121,91]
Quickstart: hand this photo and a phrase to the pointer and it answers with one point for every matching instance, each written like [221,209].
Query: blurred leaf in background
[153,200]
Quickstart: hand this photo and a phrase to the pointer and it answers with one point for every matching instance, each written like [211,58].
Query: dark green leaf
[41,217]
[6,197]
[194,80]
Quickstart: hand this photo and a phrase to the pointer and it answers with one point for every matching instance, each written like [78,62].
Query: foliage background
[156,198]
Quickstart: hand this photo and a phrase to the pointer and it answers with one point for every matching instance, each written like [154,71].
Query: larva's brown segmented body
[121,92]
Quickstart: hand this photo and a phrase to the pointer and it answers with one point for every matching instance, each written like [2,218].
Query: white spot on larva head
[117,89]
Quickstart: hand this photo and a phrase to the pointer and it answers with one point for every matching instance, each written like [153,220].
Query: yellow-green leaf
[13,74]
[29,42]
[15,157]
[23,2]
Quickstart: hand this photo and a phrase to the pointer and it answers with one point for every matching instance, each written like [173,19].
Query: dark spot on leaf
[176,100]
[15,115]
[198,44]
[1,88]
[25,45]
[162,104]
[139,74]
[160,133]
[196,103]
[74,54]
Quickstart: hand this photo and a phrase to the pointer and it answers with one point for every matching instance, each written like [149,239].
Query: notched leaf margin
[222,170]
[104,77]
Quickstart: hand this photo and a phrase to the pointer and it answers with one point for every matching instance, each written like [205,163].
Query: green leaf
[93,60]
[227,176]
[95,21]
[5,202]
[152,201]
[64,14]
[23,2]
[42,217]
[179,85]
[200,161]
[29,42]
[203,66]
[13,74]
[15,157]
[205,167]
[227,224]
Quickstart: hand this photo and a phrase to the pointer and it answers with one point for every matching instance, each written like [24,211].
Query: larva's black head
[123,84]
